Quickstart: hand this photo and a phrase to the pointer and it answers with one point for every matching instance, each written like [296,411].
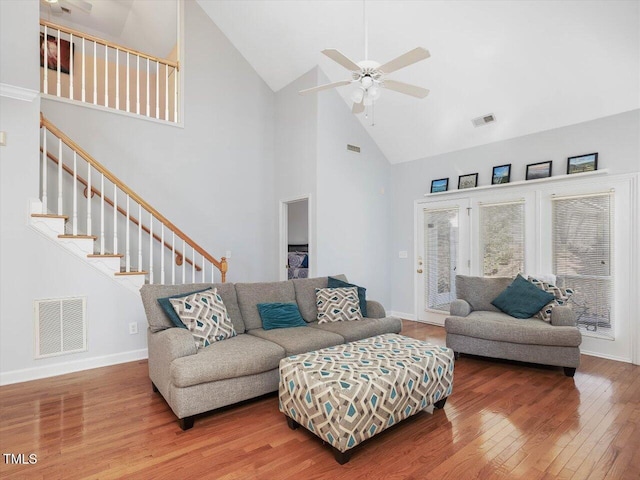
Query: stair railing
[158,228]
[107,74]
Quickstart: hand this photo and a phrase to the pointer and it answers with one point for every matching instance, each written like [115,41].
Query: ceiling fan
[58,7]
[370,76]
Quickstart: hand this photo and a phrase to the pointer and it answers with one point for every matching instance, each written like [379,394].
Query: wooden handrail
[107,43]
[179,255]
[219,264]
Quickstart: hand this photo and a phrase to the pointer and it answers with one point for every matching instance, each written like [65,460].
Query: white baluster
[59,85]
[128,93]
[162,253]
[106,75]
[88,199]
[166,92]
[175,94]
[212,273]
[95,73]
[147,86]
[118,79]
[71,66]
[102,214]
[204,264]
[193,265]
[138,84]
[59,176]
[184,262]
[75,193]
[45,61]
[151,248]
[127,254]
[157,89]
[115,218]
[44,165]
[173,258]
[140,238]
[84,81]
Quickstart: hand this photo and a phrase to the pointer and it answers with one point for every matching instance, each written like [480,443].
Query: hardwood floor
[503,420]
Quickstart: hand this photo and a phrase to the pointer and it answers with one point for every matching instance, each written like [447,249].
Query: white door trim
[283,236]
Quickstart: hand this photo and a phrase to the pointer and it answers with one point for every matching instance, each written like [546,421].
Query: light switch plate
[3,138]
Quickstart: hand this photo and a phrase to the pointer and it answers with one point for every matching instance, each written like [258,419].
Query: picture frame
[539,170]
[501,174]
[51,53]
[470,180]
[440,185]
[582,163]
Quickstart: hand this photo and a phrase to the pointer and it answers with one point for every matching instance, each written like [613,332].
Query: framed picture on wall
[49,53]
[539,170]
[440,185]
[501,174]
[582,163]
[469,180]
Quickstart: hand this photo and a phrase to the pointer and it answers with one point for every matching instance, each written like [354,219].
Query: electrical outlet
[133,328]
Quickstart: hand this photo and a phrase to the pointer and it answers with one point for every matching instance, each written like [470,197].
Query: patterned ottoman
[349,393]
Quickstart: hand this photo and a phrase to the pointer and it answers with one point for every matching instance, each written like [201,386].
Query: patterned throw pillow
[338,304]
[205,316]
[562,297]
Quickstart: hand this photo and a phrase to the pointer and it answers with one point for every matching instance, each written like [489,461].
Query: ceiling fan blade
[338,57]
[54,8]
[405,60]
[81,4]
[406,88]
[357,107]
[324,87]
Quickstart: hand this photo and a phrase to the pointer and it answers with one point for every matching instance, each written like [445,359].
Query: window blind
[502,238]
[582,258]
[441,254]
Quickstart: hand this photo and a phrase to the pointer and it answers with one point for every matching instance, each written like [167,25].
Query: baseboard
[36,373]
[406,316]
[608,357]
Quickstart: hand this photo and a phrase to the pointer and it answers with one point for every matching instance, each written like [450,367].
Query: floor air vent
[60,326]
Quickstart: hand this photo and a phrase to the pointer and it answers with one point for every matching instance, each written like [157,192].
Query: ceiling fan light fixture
[51,1]
[374,92]
[357,95]
[366,81]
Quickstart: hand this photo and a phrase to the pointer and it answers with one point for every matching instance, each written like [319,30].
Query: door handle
[419,270]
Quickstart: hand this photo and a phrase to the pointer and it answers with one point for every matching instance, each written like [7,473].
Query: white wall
[298,222]
[214,178]
[615,138]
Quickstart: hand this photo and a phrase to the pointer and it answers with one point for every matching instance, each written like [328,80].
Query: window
[502,238]
[582,258]
[441,245]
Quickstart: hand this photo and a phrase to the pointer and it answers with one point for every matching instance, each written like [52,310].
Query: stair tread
[132,273]
[105,255]
[92,237]
[49,215]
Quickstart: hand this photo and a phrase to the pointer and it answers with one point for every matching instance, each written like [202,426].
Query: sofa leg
[440,403]
[292,423]
[456,355]
[154,388]
[341,457]
[569,371]
[186,423]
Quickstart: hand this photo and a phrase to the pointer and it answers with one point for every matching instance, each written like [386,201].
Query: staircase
[118,232]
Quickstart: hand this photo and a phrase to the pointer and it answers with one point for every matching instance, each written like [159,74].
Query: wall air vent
[353,148]
[483,120]
[60,326]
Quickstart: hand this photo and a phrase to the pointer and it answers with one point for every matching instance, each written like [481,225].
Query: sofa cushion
[205,316]
[299,339]
[338,304]
[251,294]
[305,289]
[362,292]
[504,328]
[170,312]
[228,359]
[158,320]
[522,299]
[480,291]
[280,315]
[359,329]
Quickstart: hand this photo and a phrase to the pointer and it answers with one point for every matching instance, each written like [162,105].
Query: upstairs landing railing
[81,67]
[159,247]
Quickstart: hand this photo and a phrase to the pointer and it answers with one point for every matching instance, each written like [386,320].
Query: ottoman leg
[341,457]
[440,403]
[292,423]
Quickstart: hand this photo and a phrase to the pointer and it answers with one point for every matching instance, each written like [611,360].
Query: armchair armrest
[460,308]
[375,309]
[562,316]
[164,347]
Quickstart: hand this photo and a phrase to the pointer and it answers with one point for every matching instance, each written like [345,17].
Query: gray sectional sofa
[476,327]
[245,366]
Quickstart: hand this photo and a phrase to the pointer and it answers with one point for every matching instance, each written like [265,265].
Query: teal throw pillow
[165,304]
[522,299]
[280,315]
[362,292]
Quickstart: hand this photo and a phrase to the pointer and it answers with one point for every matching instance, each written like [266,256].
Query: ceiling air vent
[483,120]
[353,148]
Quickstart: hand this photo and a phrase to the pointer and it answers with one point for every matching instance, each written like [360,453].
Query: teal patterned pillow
[205,316]
[338,304]
[521,299]
[561,295]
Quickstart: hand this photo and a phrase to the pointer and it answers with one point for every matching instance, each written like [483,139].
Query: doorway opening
[295,239]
